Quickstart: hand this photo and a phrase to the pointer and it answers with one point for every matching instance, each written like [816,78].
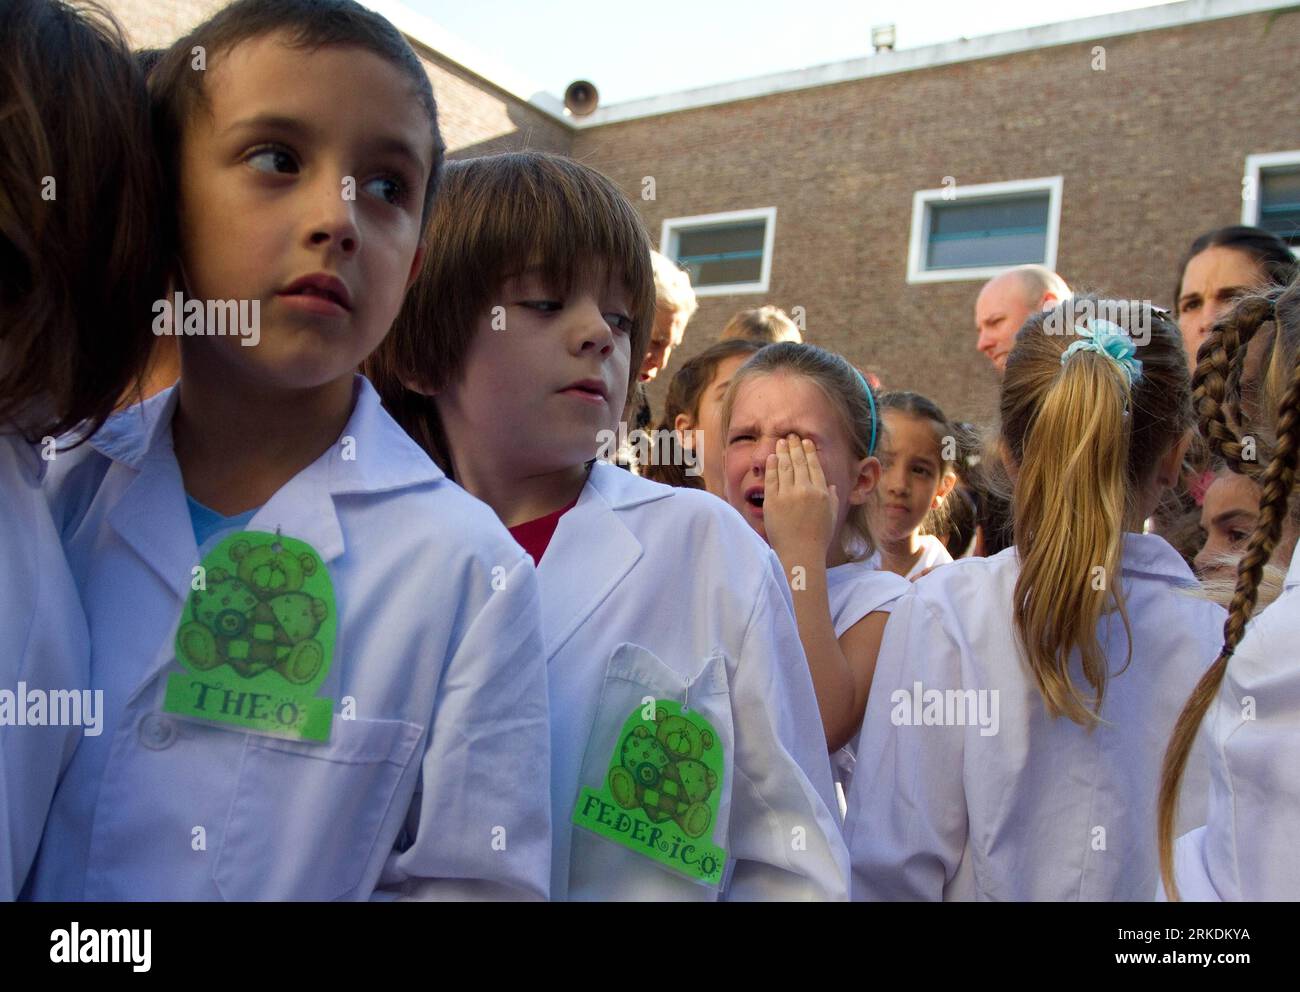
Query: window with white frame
[724,253]
[975,232]
[1270,194]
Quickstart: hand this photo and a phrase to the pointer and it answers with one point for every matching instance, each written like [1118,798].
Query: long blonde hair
[1229,411]
[1086,444]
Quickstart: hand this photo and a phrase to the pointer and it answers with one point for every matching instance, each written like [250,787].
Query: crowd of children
[358,571]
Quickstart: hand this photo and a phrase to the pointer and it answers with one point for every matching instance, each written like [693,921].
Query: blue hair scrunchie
[1109,339]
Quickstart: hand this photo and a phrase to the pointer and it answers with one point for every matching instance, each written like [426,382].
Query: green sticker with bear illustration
[660,797]
[257,639]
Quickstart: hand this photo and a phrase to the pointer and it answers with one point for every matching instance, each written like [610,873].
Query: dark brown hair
[916,405]
[79,270]
[1218,391]
[684,393]
[922,407]
[495,218]
[178,90]
[1265,248]
[1086,443]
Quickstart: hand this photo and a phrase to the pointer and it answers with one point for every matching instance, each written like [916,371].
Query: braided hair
[1217,389]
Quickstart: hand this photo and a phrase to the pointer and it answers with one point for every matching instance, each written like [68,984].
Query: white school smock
[933,553]
[438,787]
[1042,809]
[652,591]
[1247,849]
[43,647]
[856,589]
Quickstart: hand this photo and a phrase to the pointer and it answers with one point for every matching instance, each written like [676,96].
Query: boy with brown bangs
[320,659]
[689,761]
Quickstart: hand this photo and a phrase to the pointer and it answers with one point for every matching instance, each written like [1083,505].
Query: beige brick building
[1132,132]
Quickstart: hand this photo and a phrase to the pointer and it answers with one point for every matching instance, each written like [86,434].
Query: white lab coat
[653,591]
[856,589]
[1247,849]
[933,553]
[438,787]
[43,645]
[1042,809]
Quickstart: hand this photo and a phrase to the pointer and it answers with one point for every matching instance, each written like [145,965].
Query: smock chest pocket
[305,819]
[654,793]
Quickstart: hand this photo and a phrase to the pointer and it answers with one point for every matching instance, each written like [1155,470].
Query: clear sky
[637,48]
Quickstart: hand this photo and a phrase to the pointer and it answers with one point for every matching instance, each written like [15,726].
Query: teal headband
[871,448]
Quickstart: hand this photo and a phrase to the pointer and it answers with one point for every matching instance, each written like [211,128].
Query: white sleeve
[906,824]
[785,841]
[480,823]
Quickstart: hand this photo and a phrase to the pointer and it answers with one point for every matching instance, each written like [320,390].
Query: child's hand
[798,506]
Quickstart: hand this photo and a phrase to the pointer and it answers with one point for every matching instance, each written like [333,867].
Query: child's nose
[590,326]
[765,446]
[335,221]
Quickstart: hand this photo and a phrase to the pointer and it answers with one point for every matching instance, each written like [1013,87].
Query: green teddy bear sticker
[661,793]
[258,619]
[260,629]
[662,773]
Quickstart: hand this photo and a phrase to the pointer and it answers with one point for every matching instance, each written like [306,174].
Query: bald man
[1007,300]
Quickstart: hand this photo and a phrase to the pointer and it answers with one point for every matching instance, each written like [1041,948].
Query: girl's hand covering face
[799,508]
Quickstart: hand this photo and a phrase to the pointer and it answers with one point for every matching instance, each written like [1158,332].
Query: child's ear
[865,483]
[415,265]
[682,424]
[1170,467]
[945,487]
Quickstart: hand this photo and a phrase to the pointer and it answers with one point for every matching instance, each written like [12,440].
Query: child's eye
[620,321]
[543,306]
[390,189]
[736,438]
[272,159]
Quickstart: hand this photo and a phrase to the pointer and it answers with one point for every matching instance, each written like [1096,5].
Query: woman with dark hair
[1221,266]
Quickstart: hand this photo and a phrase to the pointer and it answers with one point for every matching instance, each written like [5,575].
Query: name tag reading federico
[660,797]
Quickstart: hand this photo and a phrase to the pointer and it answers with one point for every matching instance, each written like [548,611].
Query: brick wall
[153,24]
[478,119]
[1152,151]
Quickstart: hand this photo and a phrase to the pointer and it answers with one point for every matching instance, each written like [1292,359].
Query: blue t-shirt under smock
[209,524]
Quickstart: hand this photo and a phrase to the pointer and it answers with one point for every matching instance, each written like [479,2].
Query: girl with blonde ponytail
[1013,736]
[1248,400]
